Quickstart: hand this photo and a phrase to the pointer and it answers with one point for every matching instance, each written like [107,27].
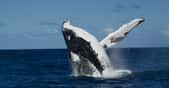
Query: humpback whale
[87,55]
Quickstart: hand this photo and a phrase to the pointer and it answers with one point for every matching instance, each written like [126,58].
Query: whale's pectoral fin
[121,33]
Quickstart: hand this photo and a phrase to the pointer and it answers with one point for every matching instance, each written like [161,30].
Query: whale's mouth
[83,50]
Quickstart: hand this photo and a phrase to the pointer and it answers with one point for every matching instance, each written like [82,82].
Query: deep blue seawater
[50,68]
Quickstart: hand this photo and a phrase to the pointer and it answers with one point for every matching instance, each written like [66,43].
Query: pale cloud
[136,6]
[108,30]
[165,33]
[42,34]
[123,7]
[48,23]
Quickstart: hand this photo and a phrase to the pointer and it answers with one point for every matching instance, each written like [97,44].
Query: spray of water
[118,63]
[119,66]
[114,74]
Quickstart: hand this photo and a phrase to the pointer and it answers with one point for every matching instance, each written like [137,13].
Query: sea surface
[50,68]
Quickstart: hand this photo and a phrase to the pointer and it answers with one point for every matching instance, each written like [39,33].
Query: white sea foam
[119,73]
[110,74]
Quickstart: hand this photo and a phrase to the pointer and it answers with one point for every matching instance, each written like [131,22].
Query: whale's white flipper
[121,33]
[87,56]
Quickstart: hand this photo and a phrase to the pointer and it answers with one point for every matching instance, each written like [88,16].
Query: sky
[36,24]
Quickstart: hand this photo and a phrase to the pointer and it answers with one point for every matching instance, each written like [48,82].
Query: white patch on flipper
[75,62]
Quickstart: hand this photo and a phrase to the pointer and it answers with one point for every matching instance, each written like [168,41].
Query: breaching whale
[87,55]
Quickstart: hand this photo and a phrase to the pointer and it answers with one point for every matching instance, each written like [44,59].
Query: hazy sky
[27,24]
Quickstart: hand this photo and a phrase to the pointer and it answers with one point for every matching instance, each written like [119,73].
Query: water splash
[114,74]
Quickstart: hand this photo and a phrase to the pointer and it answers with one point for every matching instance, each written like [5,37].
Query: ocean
[50,68]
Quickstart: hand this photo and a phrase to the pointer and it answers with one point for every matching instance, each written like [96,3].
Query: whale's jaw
[85,58]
